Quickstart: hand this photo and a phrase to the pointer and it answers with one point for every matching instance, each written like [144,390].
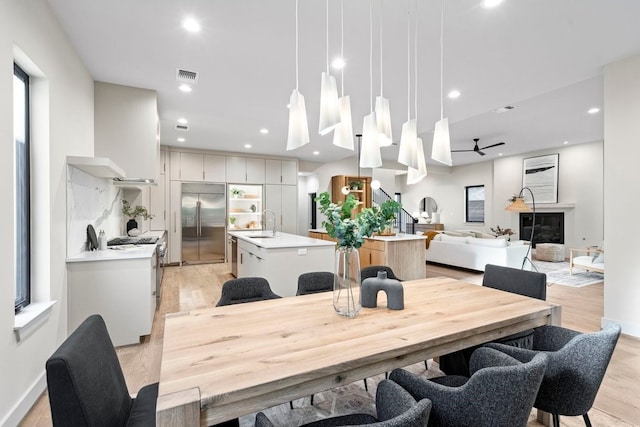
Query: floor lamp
[518,205]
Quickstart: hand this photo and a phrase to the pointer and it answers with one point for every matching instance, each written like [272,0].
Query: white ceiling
[544,57]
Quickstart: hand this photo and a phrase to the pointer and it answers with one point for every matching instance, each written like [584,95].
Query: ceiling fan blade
[460,151]
[481,153]
[493,145]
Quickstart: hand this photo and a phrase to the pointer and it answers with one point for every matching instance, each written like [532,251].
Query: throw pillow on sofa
[453,239]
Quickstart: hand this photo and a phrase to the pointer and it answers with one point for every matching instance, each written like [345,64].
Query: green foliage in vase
[135,212]
[351,232]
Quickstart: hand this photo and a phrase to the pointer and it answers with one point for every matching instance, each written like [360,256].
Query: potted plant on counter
[349,234]
[133,213]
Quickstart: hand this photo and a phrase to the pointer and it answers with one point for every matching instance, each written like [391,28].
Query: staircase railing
[404,220]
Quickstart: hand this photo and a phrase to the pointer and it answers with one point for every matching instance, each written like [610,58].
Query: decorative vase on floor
[132,223]
[346,282]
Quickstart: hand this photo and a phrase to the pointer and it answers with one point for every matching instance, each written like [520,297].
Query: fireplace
[549,227]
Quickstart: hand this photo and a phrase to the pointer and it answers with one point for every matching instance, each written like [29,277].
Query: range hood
[134,181]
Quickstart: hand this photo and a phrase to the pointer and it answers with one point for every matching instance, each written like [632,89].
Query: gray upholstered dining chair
[522,282]
[87,387]
[577,364]
[372,271]
[245,289]
[499,393]
[314,282]
[395,407]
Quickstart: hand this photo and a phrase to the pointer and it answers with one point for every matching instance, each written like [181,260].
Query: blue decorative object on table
[393,288]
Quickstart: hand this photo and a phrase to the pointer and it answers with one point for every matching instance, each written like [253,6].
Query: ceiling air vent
[504,109]
[182,127]
[185,76]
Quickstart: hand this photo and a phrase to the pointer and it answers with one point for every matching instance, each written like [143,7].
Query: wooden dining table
[225,362]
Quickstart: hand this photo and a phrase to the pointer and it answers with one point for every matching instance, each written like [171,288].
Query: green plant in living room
[351,232]
[133,213]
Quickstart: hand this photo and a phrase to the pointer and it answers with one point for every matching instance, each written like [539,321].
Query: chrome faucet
[264,218]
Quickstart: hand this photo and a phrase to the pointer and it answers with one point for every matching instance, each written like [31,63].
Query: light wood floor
[198,286]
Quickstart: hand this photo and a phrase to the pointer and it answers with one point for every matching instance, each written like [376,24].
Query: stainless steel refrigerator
[203,223]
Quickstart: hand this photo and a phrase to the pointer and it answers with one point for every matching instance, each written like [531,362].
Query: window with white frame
[22,188]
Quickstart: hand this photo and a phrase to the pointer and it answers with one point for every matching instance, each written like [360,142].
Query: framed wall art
[540,174]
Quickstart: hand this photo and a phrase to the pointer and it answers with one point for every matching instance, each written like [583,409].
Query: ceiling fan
[478,149]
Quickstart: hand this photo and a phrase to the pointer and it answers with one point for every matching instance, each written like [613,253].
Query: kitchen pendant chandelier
[441,150]
[370,148]
[414,176]
[298,134]
[383,112]
[407,154]
[343,134]
[329,105]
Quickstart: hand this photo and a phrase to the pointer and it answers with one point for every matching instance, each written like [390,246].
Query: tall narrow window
[22,188]
[474,203]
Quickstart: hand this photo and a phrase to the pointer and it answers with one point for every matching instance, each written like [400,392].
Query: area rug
[558,274]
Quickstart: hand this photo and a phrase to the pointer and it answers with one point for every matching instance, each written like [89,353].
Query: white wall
[621,207]
[63,124]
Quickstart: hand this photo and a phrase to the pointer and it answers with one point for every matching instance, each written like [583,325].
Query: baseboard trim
[22,407]
[631,329]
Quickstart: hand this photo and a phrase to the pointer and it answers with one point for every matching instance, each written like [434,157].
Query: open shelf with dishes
[244,208]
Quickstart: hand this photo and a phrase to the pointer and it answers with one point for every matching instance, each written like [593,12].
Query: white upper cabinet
[214,168]
[245,170]
[191,167]
[126,128]
[281,172]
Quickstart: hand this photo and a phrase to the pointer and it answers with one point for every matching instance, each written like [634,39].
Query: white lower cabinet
[123,292]
[251,260]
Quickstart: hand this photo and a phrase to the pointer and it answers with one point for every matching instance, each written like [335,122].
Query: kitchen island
[404,253]
[281,258]
[119,284]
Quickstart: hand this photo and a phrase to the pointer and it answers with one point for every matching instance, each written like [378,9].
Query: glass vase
[346,282]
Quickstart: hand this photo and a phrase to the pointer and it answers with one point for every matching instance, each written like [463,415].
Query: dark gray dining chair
[372,271]
[522,282]
[499,393]
[245,289]
[395,407]
[86,385]
[577,364]
[314,282]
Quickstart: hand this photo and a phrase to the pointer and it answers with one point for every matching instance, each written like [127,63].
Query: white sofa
[474,253]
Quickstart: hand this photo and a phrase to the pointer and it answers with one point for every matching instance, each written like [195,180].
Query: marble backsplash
[90,200]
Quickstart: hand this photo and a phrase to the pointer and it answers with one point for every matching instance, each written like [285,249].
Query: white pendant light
[298,134]
[370,148]
[407,154]
[441,149]
[343,134]
[383,112]
[329,106]
[416,175]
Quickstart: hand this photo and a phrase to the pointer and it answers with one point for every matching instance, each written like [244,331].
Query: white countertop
[281,240]
[120,252]
[397,237]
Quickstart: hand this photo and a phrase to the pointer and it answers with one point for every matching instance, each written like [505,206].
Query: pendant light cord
[296,44]
[327,32]
[415,65]
[371,55]
[441,59]
[408,61]
[342,46]
[380,31]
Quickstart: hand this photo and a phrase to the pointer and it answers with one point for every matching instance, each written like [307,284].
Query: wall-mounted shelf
[100,167]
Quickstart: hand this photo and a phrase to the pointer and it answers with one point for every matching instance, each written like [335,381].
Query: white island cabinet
[120,285]
[281,259]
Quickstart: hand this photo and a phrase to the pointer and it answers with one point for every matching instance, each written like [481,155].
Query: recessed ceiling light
[316,153]
[566,142]
[491,3]
[264,131]
[499,154]
[454,94]
[191,25]
[185,88]
[338,63]
[181,140]
[593,110]
[247,145]
[183,121]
